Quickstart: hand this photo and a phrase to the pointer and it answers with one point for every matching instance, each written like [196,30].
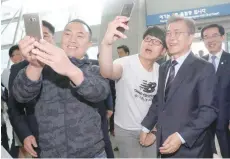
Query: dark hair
[125,48]
[156,32]
[12,49]
[49,26]
[220,28]
[84,23]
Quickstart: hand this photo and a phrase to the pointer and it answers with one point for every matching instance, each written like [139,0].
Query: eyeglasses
[211,37]
[177,34]
[154,41]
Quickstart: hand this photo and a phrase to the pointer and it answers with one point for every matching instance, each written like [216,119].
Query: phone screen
[126,11]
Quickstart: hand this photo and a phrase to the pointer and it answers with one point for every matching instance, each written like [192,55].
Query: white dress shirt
[180,60]
[217,60]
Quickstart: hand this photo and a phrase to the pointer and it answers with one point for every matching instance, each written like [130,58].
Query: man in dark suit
[213,37]
[105,110]
[15,57]
[184,106]
[21,115]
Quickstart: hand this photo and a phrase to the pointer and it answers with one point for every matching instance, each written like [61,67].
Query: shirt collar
[218,55]
[181,59]
[79,62]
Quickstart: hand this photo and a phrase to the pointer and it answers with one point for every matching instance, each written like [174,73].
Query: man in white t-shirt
[136,79]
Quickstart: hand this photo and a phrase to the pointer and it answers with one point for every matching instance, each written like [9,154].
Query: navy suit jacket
[190,108]
[223,90]
[21,115]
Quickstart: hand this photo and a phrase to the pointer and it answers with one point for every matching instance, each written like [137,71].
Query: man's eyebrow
[80,32]
[68,30]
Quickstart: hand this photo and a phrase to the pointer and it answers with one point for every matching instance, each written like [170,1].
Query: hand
[29,143]
[26,45]
[143,136]
[171,144]
[150,139]
[54,57]
[112,34]
[109,113]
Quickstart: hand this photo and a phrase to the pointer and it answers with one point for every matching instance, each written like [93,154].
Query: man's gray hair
[188,21]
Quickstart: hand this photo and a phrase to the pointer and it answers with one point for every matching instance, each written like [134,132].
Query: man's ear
[163,52]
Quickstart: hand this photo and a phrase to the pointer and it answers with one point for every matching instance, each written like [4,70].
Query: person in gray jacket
[66,87]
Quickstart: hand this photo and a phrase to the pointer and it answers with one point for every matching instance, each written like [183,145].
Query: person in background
[4,136]
[123,51]
[105,109]
[213,36]
[14,149]
[15,57]
[21,115]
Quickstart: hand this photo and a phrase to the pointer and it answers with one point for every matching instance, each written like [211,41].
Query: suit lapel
[181,74]
[206,57]
[222,63]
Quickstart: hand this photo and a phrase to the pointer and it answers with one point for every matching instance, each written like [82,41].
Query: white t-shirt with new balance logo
[134,92]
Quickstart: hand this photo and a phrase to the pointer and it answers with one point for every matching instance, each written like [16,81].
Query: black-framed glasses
[214,36]
[177,34]
[153,41]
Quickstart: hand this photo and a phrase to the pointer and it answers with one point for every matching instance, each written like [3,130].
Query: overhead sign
[198,13]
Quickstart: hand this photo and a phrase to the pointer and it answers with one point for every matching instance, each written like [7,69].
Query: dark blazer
[223,90]
[189,110]
[21,115]
[220,127]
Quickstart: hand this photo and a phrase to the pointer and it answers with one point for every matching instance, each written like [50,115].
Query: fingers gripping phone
[126,11]
[33,25]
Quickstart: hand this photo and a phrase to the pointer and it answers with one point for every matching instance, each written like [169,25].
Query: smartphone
[33,25]
[126,11]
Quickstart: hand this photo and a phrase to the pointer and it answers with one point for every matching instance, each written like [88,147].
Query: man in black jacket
[106,111]
[15,57]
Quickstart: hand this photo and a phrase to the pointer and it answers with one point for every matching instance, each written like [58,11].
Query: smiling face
[76,40]
[178,38]
[213,40]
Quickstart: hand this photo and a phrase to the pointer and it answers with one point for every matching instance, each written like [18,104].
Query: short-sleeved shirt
[134,92]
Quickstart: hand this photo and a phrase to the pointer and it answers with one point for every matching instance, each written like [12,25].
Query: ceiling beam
[6,21]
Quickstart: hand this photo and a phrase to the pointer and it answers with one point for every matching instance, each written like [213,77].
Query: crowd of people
[161,102]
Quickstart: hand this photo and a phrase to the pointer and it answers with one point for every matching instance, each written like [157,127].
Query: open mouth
[148,51]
